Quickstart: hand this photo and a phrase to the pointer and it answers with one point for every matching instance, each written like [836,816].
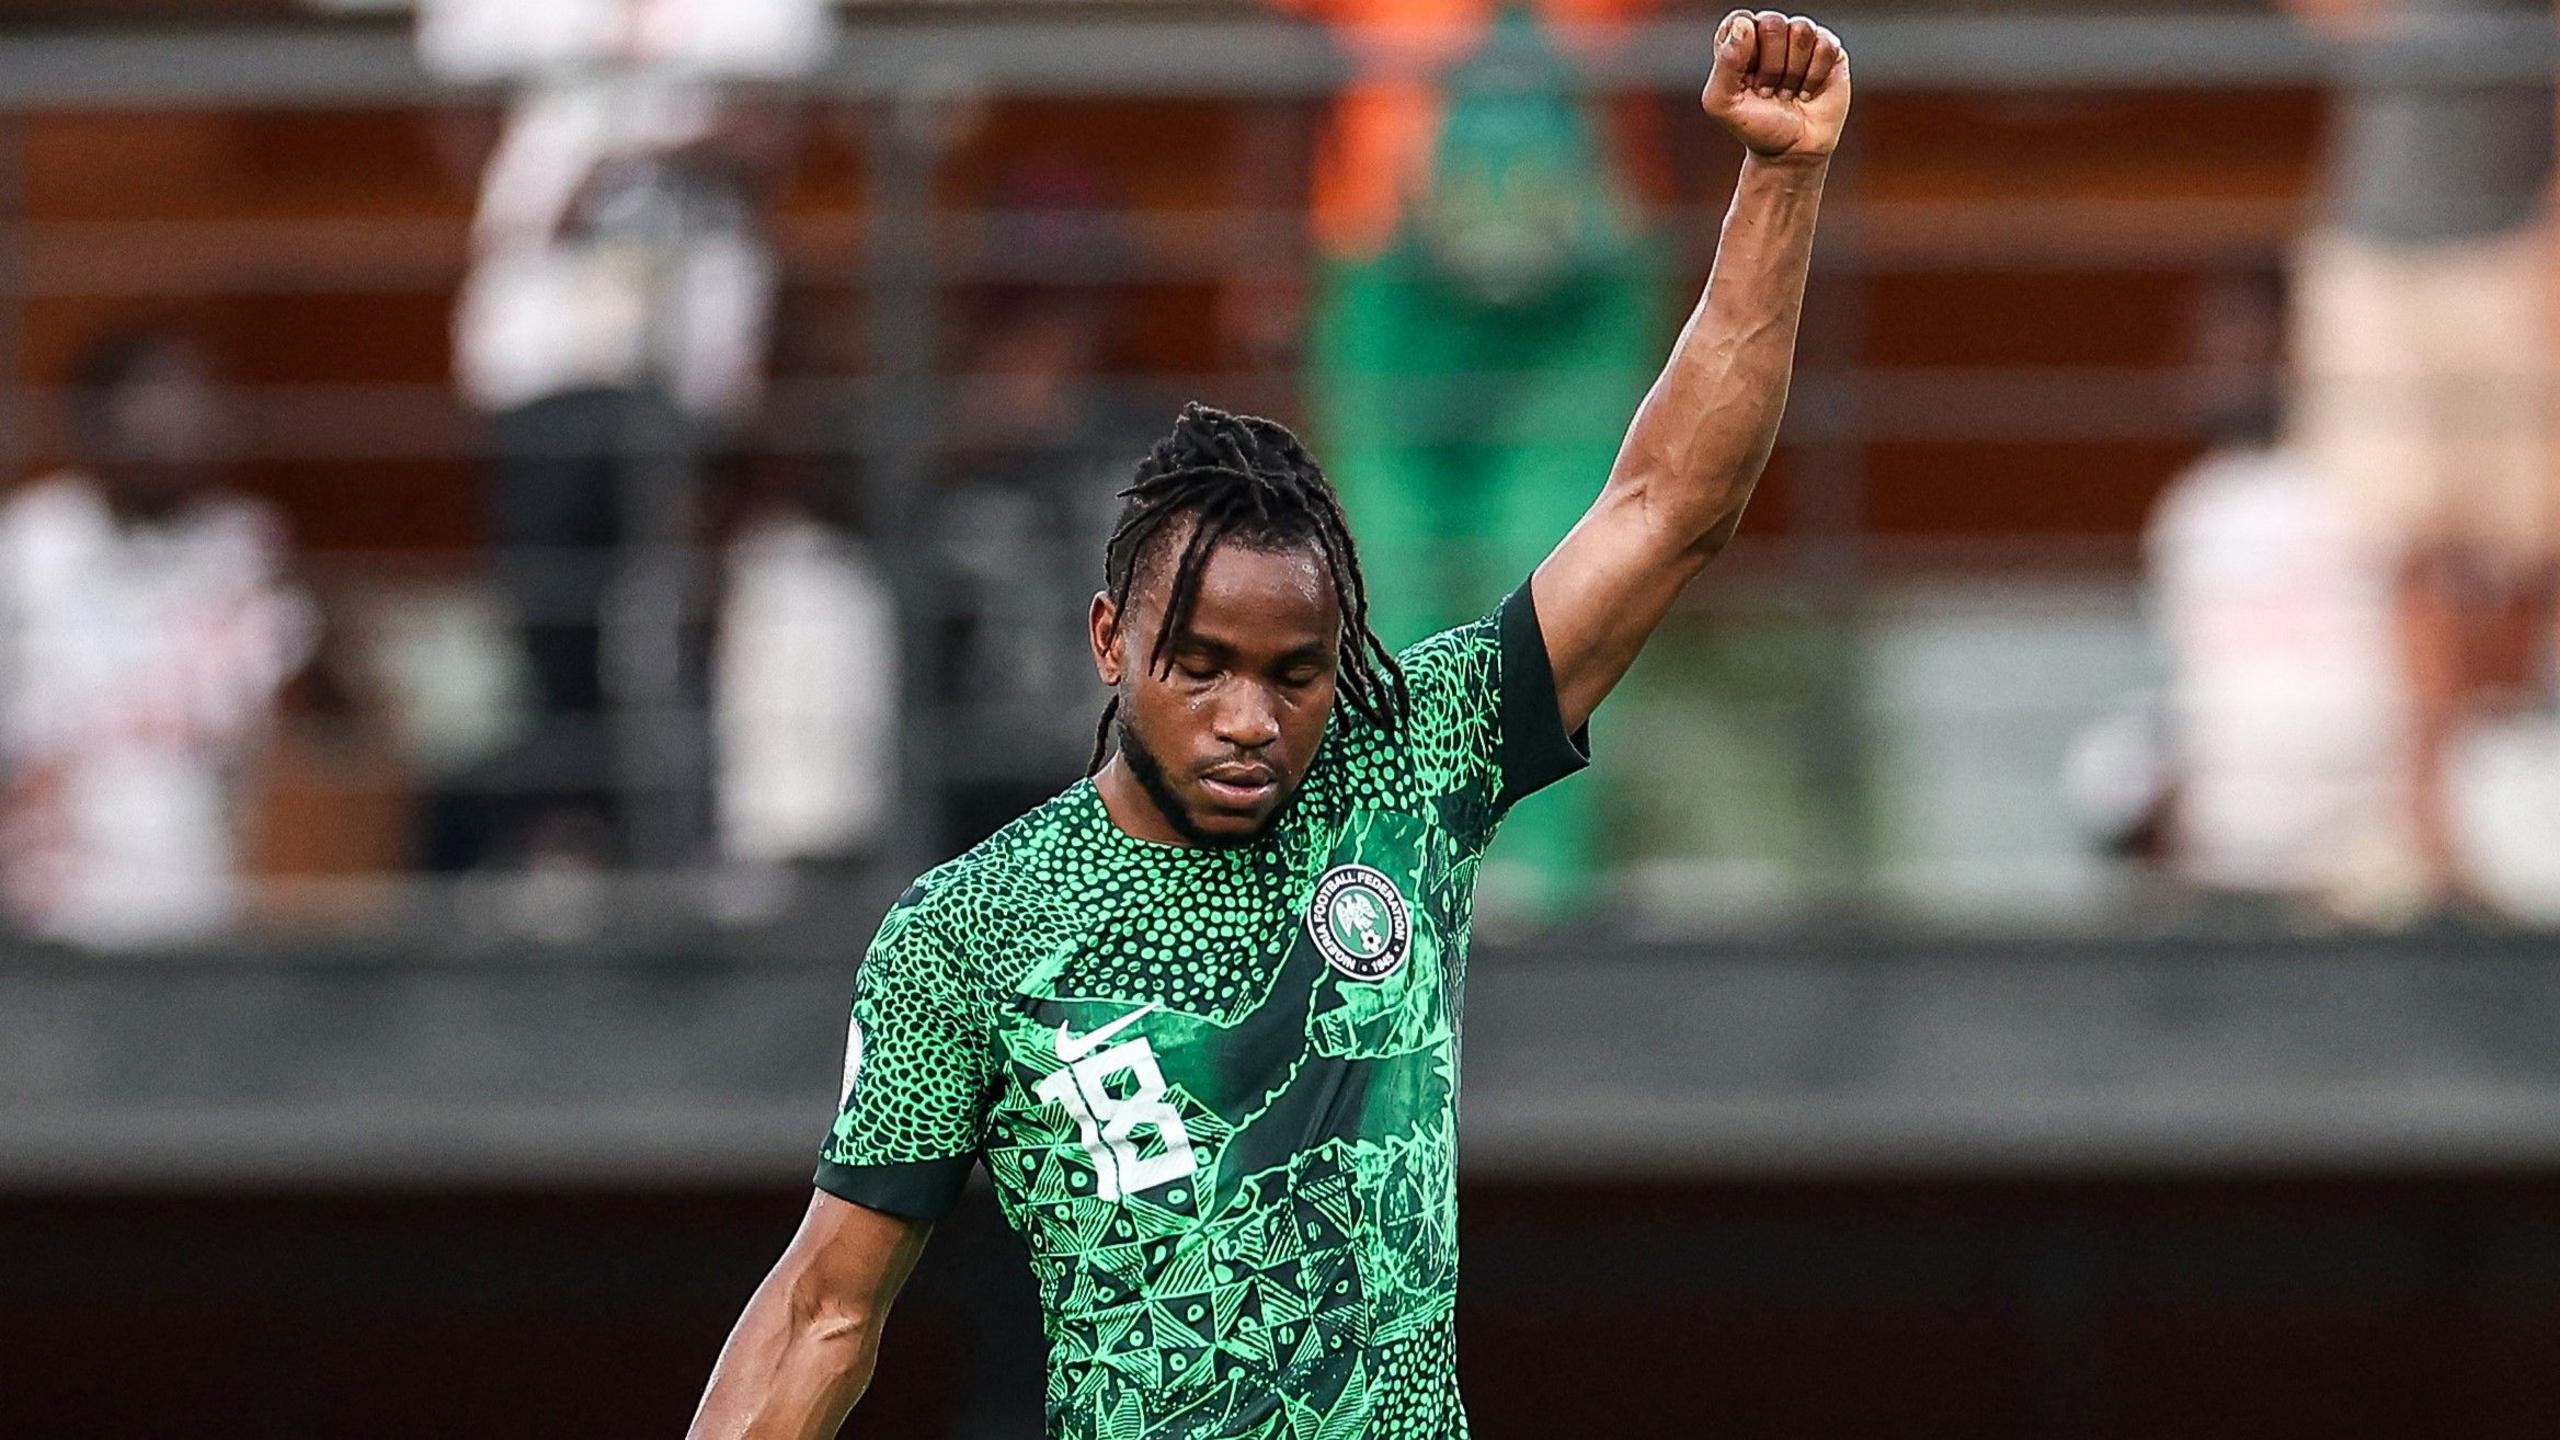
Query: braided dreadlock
[1248,479]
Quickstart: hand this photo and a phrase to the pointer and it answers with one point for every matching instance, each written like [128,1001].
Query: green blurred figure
[1486,314]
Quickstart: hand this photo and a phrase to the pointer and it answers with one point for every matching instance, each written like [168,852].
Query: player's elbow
[1681,516]
[822,1317]
[818,1317]
[836,1347]
[839,1332]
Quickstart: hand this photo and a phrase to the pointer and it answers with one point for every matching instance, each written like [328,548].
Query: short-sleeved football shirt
[1216,1089]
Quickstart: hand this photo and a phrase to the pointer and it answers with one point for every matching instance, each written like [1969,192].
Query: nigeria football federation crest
[1360,922]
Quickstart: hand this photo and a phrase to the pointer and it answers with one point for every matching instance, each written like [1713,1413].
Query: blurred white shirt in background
[138,665]
[678,295]
[807,685]
[2285,696]
[484,40]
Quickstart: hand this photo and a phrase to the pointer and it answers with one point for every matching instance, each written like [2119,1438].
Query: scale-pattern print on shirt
[1216,1090]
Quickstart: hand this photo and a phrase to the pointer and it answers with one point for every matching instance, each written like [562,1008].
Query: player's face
[1222,734]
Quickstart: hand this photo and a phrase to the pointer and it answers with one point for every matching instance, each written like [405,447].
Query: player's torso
[1226,1120]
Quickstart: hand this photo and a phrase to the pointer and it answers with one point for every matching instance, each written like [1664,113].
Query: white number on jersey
[1108,1124]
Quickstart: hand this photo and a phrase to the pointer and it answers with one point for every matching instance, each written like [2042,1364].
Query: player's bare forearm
[786,1373]
[802,1351]
[1704,432]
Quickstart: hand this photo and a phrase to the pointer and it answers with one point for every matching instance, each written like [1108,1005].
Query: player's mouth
[1240,787]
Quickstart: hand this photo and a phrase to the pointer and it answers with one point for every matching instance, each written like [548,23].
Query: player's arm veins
[1696,447]
[1704,432]
[803,1350]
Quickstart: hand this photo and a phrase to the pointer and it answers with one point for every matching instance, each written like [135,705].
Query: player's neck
[1131,808]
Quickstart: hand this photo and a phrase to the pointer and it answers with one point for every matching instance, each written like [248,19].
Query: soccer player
[1198,1015]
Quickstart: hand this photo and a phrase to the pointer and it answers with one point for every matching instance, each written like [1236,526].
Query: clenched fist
[1781,85]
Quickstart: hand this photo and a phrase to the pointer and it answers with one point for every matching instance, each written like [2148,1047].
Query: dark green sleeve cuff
[1535,751]
[924,1190]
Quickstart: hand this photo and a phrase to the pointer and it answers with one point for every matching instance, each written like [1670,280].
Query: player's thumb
[1737,40]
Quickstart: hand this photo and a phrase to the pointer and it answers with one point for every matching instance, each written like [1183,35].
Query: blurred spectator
[614,327]
[331,804]
[804,684]
[2422,333]
[147,630]
[1486,314]
[2285,708]
[1041,452]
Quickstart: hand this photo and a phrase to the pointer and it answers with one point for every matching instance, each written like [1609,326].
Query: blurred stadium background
[442,818]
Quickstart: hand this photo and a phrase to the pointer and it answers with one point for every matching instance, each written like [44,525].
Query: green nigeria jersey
[1216,1089]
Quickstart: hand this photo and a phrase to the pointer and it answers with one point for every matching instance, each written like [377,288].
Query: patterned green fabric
[1216,1090]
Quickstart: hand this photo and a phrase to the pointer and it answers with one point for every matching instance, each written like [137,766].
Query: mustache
[1245,766]
[1149,770]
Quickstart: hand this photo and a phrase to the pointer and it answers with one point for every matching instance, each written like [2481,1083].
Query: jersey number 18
[1108,1124]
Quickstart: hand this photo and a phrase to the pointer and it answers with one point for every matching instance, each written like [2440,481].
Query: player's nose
[1247,718]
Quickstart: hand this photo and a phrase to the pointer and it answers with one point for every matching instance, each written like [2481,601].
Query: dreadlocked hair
[1247,479]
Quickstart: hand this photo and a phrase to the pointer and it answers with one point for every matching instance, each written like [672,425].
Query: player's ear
[1103,623]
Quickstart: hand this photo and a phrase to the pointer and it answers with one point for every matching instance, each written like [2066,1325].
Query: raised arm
[802,1352]
[1697,445]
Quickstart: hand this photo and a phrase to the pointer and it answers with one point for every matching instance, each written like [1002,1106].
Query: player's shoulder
[1449,690]
[1451,680]
[1447,659]
[975,904]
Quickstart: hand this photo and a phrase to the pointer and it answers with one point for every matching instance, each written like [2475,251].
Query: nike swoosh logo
[1072,1048]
